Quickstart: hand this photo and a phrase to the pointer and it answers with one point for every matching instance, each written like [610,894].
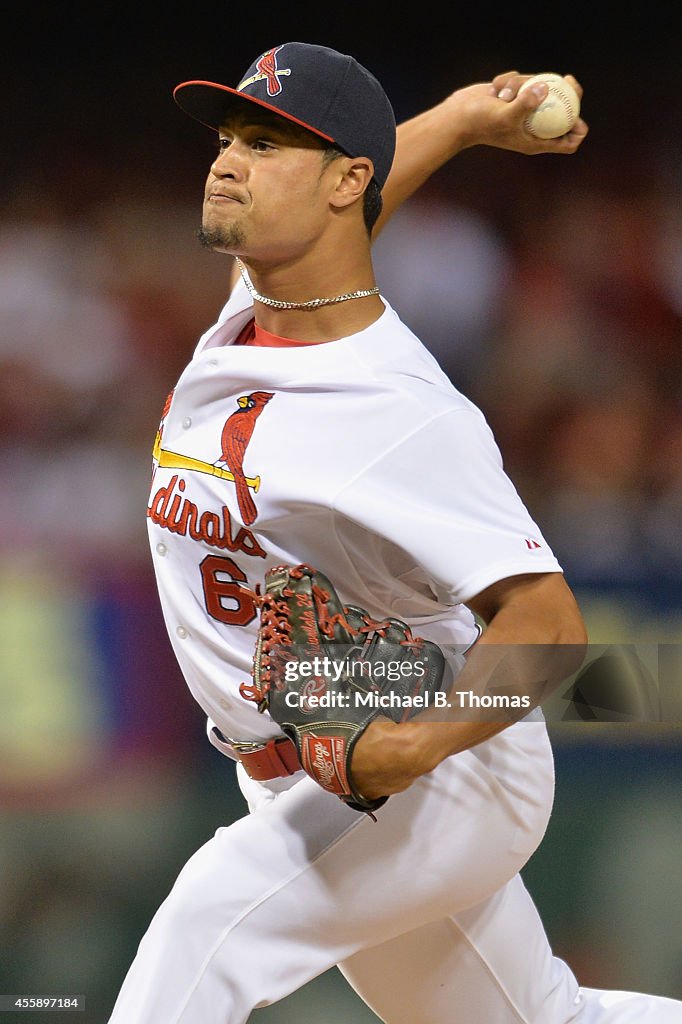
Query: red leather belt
[275,759]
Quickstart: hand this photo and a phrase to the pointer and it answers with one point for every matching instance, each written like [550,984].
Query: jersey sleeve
[442,498]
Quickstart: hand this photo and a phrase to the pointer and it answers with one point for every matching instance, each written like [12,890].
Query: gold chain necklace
[310,304]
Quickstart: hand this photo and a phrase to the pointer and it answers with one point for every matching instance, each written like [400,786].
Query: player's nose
[229,163]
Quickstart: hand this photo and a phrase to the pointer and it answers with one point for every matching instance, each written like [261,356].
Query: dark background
[106,782]
[89,86]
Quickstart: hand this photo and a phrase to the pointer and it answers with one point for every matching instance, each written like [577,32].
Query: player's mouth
[222,196]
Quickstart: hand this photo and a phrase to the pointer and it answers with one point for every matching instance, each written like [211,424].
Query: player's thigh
[305,882]
[447,843]
[491,963]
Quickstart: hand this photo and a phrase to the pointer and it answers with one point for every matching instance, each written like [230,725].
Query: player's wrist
[456,113]
[384,760]
[473,115]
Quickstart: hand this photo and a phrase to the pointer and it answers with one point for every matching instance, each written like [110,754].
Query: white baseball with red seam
[559,110]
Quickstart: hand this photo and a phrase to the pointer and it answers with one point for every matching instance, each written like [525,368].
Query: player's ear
[353,175]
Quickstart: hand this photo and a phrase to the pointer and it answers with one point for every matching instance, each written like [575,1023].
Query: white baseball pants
[424,910]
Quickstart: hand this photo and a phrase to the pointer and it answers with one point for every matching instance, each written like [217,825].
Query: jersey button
[161,549]
[187,423]
[182,632]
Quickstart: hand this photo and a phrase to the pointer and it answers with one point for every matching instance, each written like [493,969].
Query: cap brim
[210,103]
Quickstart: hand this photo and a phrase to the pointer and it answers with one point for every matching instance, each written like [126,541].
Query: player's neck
[301,283]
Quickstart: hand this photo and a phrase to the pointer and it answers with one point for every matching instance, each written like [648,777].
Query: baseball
[558,112]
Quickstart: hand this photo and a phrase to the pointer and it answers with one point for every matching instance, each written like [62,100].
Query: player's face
[265,193]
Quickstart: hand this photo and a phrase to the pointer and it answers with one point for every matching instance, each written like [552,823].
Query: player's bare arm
[484,114]
[534,631]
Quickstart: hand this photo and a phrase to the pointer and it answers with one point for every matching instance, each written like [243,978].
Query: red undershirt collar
[256,337]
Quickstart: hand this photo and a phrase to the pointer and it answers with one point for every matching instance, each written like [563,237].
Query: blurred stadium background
[551,291]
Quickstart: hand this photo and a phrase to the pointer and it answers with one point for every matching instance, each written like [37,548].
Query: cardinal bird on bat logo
[267,71]
[234,441]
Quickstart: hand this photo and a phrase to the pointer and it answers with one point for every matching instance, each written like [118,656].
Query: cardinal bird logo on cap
[234,441]
[266,68]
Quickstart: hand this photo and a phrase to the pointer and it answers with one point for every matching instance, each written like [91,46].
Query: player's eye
[223,144]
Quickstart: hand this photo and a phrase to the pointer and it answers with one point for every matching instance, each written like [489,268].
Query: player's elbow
[569,625]
[572,629]
[567,634]
[532,608]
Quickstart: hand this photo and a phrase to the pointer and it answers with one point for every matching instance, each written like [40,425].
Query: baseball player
[312,426]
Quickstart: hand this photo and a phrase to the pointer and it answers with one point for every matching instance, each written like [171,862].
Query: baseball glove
[324,672]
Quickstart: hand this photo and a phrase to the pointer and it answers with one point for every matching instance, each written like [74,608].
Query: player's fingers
[531,97]
[569,142]
[576,84]
[500,79]
[577,133]
[507,84]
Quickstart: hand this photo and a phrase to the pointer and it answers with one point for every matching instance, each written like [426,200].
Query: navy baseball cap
[327,92]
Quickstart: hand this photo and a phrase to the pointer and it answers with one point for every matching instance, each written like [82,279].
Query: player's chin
[219,237]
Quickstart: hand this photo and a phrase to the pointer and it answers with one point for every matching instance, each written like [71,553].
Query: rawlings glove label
[324,758]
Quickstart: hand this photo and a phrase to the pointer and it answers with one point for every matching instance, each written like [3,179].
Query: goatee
[226,239]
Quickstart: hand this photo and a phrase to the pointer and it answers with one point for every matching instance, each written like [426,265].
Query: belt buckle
[245,746]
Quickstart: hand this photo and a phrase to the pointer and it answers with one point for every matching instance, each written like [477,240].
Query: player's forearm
[467,117]
[519,661]
[423,144]
[534,640]
[485,113]
[391,757]
[519,673]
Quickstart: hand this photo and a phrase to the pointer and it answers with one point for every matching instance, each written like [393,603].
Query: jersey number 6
[225,599]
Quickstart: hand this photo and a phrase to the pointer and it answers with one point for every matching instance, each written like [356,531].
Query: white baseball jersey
[357,456]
